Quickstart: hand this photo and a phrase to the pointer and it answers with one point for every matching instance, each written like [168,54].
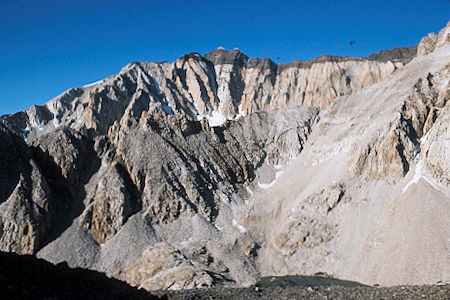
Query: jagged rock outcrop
[416,116]
[181,166]
[435,145]
[304,228]
[219,169]
[402,54]
[109,204]
[222,85]
[164,268]
[432,41]
[72,154]
[427,44]
[26,200]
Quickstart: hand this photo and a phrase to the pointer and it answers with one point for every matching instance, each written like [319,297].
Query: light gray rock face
[174,170]
[436,133]
[26,200]
[416,116]
[222,85]
[183,166]
[217,169]
[109,204]
[159,171]
[309,227]
[164,267]
[432,41]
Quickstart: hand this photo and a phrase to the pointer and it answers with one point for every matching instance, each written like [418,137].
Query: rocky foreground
[25,277]
[317,292]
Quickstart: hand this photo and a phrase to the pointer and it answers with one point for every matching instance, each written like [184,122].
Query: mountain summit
[223,85]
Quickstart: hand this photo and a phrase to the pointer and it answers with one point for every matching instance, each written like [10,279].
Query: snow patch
[223,197]
[26,129]
[200,115]
[216,119]
[239,226]
[52,107]
[430,183]
[424,137]
[249,191]
[269,185]
[265,186]
[55,122]
[417,176]
[93,83]
[240,111]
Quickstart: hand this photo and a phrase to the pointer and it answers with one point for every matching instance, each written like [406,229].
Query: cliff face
[222,85]
[216,170]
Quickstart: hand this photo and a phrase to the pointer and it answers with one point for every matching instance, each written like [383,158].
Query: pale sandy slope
[385,230]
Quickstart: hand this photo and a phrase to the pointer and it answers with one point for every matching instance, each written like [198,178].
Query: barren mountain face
[216,170]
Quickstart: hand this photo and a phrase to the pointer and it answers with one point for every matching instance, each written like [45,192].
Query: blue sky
[49,46]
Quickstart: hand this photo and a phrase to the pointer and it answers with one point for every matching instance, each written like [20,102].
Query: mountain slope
[365,200]
[216,170]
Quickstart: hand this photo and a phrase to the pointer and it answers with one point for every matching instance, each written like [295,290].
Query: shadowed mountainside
[25,277]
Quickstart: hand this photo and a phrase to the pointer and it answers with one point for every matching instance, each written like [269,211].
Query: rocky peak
[305,64]
[427,44]
[432,41]
[443,36]
[263,64]
[193,56]
[401,54]
[223,85]
[222,57]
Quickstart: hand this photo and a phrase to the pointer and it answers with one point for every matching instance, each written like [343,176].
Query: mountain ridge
[216,105]
[199,173]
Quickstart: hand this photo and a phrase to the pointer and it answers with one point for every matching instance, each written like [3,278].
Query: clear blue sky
[48,46]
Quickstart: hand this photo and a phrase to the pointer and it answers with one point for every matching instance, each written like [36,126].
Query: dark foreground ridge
[25,277]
